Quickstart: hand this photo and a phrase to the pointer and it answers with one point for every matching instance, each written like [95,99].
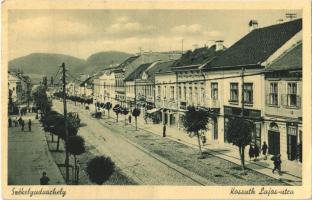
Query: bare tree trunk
[117,118]
[75,171]
[136,123]
[52,137]
[199,145]
[242,155]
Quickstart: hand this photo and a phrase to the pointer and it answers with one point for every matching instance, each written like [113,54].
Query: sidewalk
[291,172]
[28,155]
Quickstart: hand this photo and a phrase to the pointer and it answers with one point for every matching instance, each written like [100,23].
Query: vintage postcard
[156,100]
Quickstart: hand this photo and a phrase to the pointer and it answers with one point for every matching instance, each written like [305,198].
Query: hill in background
[37,65]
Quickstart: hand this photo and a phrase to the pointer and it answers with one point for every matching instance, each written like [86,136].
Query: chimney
[253,24]
[219,45]
[290,16]
[279,21]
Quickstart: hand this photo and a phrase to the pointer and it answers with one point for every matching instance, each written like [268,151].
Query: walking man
[44,180]
[10,122]
[264,150]
[29,125]
[129,119]
[277,163]
[257,151]
[23,125]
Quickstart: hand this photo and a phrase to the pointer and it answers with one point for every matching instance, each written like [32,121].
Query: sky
[81,33]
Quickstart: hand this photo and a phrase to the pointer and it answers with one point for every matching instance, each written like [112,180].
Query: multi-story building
[283,112]
[131,64]
[235,78]
[19,88]
[104,86]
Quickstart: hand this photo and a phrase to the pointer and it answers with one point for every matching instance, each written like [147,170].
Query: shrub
[99,169]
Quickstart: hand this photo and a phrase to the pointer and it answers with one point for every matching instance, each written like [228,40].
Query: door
[291,147]
[274,142]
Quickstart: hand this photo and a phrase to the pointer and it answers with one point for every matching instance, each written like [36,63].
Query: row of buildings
[259,75]
[19,86]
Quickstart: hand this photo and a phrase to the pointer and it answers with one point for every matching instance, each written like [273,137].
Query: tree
[239,134]
[135,113]
[51,80]
[41,99]
[45,82]
[117,109]
[125,111]
[99,169]
[195,121]
[76,146]
[108,106]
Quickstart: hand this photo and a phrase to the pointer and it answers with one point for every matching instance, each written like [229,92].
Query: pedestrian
[251,151]
[277,163]
[10,122]
[20,120]
[29,125]
[264,149]
[164,130]
[129,119]
[257,151]
[15,122]
[23,125]
[44,180]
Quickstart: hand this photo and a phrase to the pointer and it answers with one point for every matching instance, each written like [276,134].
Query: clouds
[195,30]
[124,26]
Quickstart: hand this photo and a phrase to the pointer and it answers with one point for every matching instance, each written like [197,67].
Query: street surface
[29,156]
[133,161]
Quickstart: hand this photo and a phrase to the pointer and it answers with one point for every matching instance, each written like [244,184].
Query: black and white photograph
[156,97]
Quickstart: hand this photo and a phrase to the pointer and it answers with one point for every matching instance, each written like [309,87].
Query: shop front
[250,114]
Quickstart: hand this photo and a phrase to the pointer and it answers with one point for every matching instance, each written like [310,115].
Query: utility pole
[243,71]
[182,46]
[65,122]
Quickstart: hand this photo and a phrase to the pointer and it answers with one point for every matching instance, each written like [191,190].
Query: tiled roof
[137,72]
[291,59]
[197,57]
[126,62]
[161,67]
[257,46]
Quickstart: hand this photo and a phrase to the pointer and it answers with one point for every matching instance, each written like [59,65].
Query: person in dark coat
[15,122]
[20,120]
[29,125]
[257,152]
[251,151]
[129,119]
[10,122]
[44,180]
[264,149]
[164,130]
[277,163]
[23,125]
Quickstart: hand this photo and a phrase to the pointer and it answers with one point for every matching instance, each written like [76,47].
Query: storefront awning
[152,110]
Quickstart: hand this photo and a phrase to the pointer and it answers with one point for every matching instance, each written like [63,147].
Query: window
[184,93]
[214,91]
[202,93]
[234,92]
[196,94]
[159,91]
[172,92]
[180,92]
[292,94]
[248,93]
[273,95]
[165,92]
[190,94]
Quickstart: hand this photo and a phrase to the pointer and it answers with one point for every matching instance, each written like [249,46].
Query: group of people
[19,122]
[254,152]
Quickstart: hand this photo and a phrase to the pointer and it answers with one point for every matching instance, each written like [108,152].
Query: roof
[126,62]
[161,67]
[197,57]
[137,72]
[257,46]
[291,59]
[88,81]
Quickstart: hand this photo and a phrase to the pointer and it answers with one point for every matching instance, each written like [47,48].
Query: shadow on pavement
[257,165]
